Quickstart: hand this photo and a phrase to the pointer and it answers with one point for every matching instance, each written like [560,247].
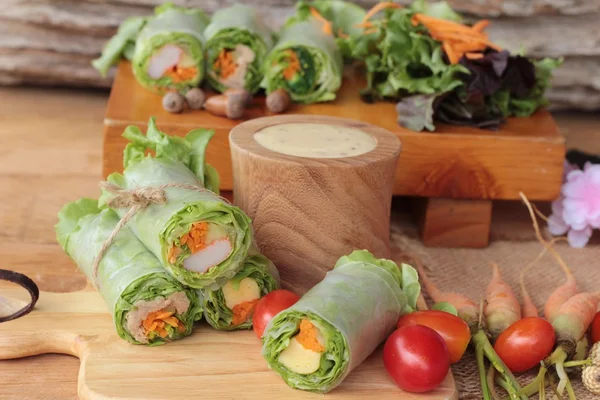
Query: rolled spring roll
[231,307]
[147,304]
[169,50]
[345,18]
[336,325]
[306,62]
[237,42]
[199,237]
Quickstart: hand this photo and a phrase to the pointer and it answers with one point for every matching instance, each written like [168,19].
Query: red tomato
[416,357]
[596,328]
[452,329]
[269,306]
[525,343]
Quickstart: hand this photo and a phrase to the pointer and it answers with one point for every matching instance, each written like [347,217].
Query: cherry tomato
[416,357]
[269,306]
[525,343]
[452,329]
[596,328]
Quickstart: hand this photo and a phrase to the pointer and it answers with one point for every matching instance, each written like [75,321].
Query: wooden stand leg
[454,223]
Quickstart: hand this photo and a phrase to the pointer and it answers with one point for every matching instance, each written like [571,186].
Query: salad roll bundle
[232,306]
[306,63]
[198,236]
[169,50]
[237,42]
[147,304]
[316,342]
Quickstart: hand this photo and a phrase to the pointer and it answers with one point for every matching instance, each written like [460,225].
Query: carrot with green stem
[469,311]
[502,307]
[569,288]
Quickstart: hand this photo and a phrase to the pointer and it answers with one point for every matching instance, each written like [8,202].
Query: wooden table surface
[51,153]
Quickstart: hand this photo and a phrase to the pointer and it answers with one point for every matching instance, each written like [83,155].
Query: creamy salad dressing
[315,140]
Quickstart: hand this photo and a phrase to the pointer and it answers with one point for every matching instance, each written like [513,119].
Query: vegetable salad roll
[306,63]
[147,304]
[237,42]
[232,306]
[315,343]
[198,236]
[169,50]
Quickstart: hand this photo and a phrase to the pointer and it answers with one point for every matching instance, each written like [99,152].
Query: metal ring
[26,283]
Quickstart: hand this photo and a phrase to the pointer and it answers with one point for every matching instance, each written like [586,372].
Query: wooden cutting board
[208,364]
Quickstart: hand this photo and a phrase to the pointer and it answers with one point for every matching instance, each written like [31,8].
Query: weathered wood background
[51,42]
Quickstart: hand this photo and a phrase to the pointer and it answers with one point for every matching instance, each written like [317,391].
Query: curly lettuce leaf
[401,59]
[122,44]
[189,150]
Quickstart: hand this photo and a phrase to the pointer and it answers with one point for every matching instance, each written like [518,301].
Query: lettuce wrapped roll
[147,304]
[169,50]
[237,42]
[306,62]
[198,236]
[344,16]
[232,306]
[315,343]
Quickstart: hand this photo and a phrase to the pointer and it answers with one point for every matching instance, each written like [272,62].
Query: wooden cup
[308,212]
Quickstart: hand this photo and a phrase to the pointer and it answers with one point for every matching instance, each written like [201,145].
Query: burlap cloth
[512,247]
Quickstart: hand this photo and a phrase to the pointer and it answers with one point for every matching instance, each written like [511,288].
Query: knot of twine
[136,199]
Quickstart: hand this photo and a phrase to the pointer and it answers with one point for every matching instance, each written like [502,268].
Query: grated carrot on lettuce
[180,74]
[293,65]
[225,64]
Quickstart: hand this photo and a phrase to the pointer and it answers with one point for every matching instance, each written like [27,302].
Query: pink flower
[577,210]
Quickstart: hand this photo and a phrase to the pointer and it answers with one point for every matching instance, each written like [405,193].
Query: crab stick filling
[157,317]
[241,299]
[173,62]
[303,354]
[208,244]
[231,65]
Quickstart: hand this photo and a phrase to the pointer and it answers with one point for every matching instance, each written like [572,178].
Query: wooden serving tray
[451,166]
[209,364]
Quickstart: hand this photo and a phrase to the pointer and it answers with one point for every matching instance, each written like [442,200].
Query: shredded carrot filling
[308,337]
[243,311]
[377,8]
[293,65]
[180,74]
[326,24]
[457,40]
[157,320]
[195,240]
[225,64]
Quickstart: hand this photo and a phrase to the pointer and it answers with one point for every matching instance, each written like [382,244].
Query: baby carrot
[502,307]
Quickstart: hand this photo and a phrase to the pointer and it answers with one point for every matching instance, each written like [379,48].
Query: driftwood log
[51,42]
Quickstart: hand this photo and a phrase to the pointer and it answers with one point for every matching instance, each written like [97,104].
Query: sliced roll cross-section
[315,343]
[169,50]
[232,306]
[237,42]
[147,304]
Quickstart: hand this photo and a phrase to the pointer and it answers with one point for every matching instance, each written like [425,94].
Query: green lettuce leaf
[401,59]
[321,74]
[189,150]
[416,112]
[128,272]
[527,105]
[257,267]
[171,25]
[233,26]
[439,9]
[122,44]
[355,307]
